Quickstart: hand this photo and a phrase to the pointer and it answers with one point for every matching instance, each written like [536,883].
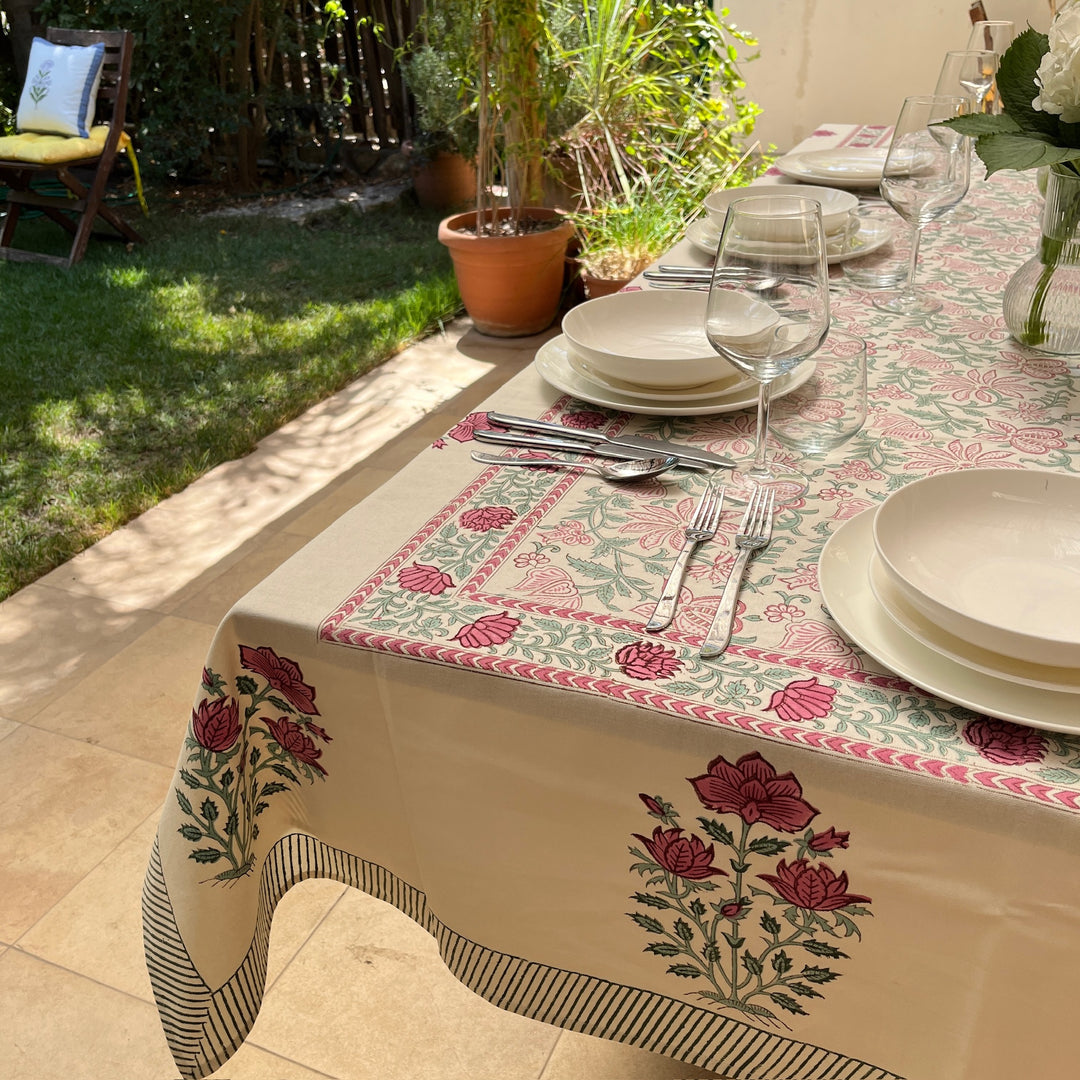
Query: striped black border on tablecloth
[205,1027]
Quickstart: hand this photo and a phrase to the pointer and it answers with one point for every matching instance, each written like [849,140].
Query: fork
[754,534]
[702,527]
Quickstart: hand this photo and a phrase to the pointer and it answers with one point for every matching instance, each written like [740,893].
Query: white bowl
[837,208]
[648,337]
[991,556]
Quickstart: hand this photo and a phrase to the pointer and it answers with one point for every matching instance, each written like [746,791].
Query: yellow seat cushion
[52,149]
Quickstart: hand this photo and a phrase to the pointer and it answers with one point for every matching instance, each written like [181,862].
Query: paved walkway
[98,664]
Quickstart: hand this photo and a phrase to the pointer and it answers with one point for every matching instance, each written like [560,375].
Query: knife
[689,456]
[576,446]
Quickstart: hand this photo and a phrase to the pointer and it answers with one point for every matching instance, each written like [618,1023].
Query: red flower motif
[283,674]
[426,579]
[1004,743]
[463,430]
[827,840]
[813,887]
[290,736]
[752,789]
[802,700]
[487,630]
[587,418]
[319,733]
[647,661]
[484,518]
[216,723]
[651,805]
[733,910]
[685,856]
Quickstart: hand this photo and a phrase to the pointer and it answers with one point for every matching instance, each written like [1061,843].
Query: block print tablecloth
[788,864]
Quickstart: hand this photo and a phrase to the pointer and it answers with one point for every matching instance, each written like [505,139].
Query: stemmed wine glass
[970,74]
[992,35]
[927,172]
[768,310]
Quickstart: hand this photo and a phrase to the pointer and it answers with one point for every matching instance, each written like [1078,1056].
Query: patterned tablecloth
[788,864]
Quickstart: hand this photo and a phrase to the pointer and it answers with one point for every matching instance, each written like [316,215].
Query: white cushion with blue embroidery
[60,92]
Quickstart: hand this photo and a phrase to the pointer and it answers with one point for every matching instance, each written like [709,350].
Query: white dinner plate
[843,574]
[871,235]
[553,365]
[843,167]
[1066,680]
[733,383]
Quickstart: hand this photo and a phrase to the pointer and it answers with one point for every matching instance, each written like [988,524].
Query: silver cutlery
[702,527]
[689,456]
[754,534]
[574,446]
[638,469]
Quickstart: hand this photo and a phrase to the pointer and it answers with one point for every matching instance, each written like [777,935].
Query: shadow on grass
[126,377]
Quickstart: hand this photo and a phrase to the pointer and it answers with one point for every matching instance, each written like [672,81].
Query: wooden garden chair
[24,160]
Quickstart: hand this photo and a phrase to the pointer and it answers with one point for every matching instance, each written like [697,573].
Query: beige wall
[853,60]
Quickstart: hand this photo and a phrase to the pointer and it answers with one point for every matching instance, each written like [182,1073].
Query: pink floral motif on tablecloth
[857,470]
[850,508]
[897,426]
[486,518]
[487,630]
[584,418]
[570,532]
[717,930]
[647,661]
[956,455]
[234,766]
[419,577]
[816,641]
[438,444]
[659,526]
[983,386]
[777,613]
[1005,743]
[551,586]
[527,559]
[463,430]
[1030,440]
[803,699]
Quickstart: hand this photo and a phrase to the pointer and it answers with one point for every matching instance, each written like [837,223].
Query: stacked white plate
[646,352]
[967,584]
[842,167]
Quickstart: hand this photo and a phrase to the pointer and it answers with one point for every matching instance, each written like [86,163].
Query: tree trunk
[22,25]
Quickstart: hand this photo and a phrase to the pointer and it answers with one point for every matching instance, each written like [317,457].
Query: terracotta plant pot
[510,285]
[446,181]
[602,286]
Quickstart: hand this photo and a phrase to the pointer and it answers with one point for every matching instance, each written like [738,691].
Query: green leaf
[185,804]
[190,832]
[272,787]
[646,922]
[256,753]
[717,831]
[769,924]
[189,779]
[246,685]
[710,952]
[1016,82]
[663,948]
[209,810]
[1021,152]
[788,1003]
[227,777]
[981,124]
[231,823]
[280,704]
[816,974]
[260,807]
[821,948]
[205,855]
[650,900]
[769,845]
[593,570]
[781,962]
[284,770]
[752,963]
[739,867]
[697,907]
[803,990]
[684,930]
[1057,776]
[733,940]
[687,971]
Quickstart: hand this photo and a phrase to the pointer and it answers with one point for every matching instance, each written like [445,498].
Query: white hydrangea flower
[1058,77]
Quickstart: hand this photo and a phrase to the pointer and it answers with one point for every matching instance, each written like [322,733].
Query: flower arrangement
[1039,83]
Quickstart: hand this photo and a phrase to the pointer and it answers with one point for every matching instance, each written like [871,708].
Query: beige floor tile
[64,807]
[323,511]
[49,639]
[138,701]
[396,1011]
[96,930]
[62,1026]
[577,1055]
[208,598]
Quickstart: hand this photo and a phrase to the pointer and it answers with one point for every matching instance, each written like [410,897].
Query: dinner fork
[702,527]
[754,534]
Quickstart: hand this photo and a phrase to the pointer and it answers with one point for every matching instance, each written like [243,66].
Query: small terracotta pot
[601,286]
[446,181]
[510,285]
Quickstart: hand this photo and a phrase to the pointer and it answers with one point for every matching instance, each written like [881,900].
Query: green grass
[132,374]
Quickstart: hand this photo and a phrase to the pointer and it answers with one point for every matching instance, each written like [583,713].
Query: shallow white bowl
[837,208]
[649,338]
[991,556]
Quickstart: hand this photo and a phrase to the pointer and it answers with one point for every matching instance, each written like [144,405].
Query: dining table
[825,855]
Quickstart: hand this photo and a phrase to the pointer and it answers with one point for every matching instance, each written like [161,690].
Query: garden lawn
[132,374]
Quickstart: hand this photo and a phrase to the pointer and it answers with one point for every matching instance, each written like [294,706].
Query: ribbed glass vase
[1042,300]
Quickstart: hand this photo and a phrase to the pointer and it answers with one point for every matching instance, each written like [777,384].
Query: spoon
[638,469]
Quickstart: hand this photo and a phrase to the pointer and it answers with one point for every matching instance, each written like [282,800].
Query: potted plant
[509,250]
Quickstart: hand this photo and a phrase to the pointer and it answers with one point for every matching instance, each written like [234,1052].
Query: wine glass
[992,35]
[768,310]
[927,171]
